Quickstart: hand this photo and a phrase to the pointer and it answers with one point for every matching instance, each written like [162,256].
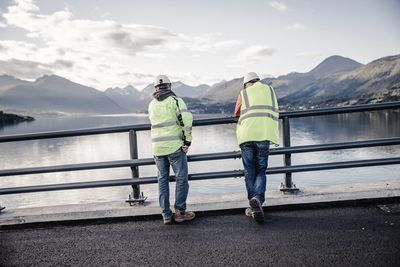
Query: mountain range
[286,84]
[133,100]
[335,81]
[376,80]
[55,94]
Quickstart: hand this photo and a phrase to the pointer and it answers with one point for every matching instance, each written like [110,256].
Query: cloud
[296,27]
[203,43]
[16,49]
[98,53]
[26,5]
[24,69]
[61,29]
[281,7]
[254,54]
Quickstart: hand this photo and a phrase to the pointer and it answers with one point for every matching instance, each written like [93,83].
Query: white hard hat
[161,79]
[249,77]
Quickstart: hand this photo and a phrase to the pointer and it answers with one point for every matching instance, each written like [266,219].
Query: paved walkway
[275,199]
[347,236]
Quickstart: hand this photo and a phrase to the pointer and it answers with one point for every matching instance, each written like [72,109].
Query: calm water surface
[108,147]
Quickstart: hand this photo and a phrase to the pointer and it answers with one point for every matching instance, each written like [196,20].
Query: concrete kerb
[327,196]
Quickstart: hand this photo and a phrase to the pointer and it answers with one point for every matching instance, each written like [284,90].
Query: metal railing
[134,162]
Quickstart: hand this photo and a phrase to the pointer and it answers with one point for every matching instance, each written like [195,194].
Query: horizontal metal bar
[197,122]
[112,164]
[200,176]
[334,165]
[336,146]
[215,156]
[80,185]
[76,167]
[340,110]
[72,133]
[200,157]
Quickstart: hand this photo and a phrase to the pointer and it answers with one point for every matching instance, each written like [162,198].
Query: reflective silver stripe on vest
[182,111]
[259,107]
[187,129]
[246,101]
[166,138]
[246,98]
[259,115]
[164,124]
[272,96]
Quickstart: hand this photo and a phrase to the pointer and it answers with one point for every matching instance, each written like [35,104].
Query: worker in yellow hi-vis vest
[171,136]
[257,128]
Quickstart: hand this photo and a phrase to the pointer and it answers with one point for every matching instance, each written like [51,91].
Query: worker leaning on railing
[258,112]
[171,134]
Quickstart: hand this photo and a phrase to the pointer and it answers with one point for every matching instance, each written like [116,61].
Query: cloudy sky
[104,43]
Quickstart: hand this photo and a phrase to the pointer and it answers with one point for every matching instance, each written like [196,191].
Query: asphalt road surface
[346,236]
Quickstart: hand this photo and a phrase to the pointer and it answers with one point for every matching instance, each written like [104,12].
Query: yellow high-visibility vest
[259,115]
[167,131]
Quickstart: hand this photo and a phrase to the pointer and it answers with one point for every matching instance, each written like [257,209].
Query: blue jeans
[255,162]
[178,161]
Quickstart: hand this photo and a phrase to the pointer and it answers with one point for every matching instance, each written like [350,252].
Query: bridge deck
[341,236]
[236,201]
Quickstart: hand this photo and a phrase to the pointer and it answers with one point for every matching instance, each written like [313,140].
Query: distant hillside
[332,65]
[378,79]
[293,82]
[184,90]
[335,81]
[224,91]
[286,84]
[127,97]
[7,82]
[56,94]
[134,100]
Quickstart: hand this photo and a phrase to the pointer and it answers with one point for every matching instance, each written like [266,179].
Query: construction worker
[257,128]
[171,135]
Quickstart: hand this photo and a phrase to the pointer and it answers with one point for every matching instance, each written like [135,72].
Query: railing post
[136,196]
[288,185]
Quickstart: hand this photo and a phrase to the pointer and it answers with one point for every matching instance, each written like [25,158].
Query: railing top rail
[197,122]
[339,110]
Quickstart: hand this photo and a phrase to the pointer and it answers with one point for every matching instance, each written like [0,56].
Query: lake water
[108,147]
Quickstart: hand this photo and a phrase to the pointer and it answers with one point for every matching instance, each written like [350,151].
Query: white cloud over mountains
[253,54]
[88,51]
[281,7]
[62,30]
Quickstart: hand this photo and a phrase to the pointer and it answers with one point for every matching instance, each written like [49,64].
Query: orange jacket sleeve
[238,106]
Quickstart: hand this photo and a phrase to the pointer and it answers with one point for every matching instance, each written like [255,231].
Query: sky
[102,43]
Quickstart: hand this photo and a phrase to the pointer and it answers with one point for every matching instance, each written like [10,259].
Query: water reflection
[220,138]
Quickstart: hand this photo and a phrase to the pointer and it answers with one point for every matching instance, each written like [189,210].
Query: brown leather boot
[184,216]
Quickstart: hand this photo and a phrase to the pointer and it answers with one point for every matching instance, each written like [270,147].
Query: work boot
[248,212]
[168,221]
[184,216]
[258,213]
